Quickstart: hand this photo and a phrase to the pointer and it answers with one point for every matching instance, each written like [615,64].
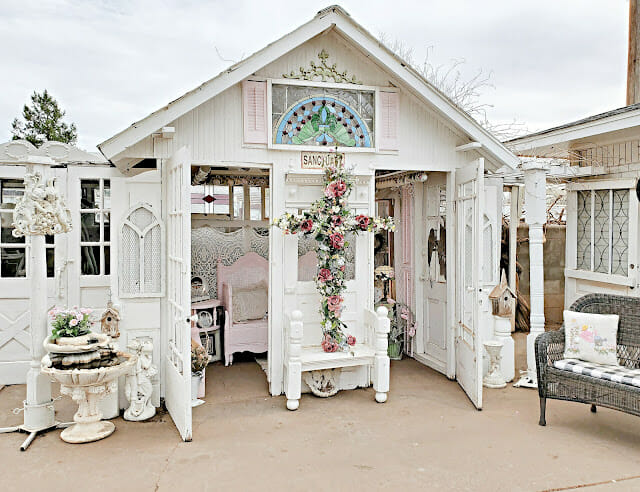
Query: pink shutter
[389,121]
[254,104]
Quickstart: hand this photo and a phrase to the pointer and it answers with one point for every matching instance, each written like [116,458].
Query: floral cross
[328,221]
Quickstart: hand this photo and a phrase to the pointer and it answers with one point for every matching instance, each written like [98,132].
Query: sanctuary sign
[317,160]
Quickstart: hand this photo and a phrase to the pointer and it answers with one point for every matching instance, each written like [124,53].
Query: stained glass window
[322,116]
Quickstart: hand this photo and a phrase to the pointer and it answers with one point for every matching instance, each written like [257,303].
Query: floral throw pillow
[591,337]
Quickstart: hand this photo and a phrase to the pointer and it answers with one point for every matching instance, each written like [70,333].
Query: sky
[112,62]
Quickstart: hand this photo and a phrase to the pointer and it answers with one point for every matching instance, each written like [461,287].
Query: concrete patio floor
[427,436]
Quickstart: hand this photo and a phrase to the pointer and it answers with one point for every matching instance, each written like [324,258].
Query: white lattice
[208,244]
[141,255]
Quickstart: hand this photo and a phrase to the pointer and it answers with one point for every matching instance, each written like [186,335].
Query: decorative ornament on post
[328,220]
[40,211]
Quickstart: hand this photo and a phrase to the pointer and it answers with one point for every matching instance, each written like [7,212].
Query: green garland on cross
[328,220]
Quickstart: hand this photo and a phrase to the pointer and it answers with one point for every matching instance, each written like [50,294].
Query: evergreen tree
[42,121]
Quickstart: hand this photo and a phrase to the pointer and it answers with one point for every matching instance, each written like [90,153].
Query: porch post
[535,205]
[40,211]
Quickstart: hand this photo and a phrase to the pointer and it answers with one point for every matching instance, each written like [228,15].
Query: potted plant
[402,328]
[199,361]
[67,323]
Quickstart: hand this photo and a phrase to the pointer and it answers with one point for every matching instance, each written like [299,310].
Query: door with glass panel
[88,264]
[15,281]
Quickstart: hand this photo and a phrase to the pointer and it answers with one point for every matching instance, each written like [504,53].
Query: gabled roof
[61,153]
[610,121]
[333,17]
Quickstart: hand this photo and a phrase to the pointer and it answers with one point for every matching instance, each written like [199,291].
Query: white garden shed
[201,179]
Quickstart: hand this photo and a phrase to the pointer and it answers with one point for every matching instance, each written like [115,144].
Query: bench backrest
[628,308]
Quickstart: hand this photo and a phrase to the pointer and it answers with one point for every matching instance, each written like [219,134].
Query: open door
[177,173]
[469,204]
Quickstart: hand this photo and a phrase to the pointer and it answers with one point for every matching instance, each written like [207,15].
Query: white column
[535,206]
[40,211]
[38,408]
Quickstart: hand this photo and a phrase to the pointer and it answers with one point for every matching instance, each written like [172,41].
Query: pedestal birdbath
[86,386]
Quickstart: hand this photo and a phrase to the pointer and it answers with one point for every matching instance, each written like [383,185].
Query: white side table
[213,329]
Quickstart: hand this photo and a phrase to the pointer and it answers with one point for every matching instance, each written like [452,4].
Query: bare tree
[466,93]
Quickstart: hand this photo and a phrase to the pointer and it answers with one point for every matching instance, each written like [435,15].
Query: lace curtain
[208,244]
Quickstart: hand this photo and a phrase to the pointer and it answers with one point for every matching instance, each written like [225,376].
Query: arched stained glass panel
[323,121]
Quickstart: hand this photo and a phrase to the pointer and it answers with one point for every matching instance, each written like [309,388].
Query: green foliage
[42,122]
[69,322]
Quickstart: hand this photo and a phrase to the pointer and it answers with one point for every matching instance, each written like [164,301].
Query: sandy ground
[427,436]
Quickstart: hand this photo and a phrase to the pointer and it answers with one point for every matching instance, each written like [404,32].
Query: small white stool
[494,378]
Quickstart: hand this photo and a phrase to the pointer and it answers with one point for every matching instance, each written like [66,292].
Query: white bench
[372,351]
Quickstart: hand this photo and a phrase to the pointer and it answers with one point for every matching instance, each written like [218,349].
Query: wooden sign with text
[316,160]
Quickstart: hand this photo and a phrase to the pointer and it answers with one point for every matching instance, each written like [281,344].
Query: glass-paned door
[469,205]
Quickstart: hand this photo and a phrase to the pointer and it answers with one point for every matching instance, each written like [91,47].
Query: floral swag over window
[328,220]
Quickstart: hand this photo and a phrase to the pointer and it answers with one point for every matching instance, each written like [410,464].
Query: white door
[177,179]
[469,204]
[85,269]
[15,278]
[433,275]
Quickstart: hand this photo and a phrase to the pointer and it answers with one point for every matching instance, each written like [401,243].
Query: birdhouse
[502,298]
[110,321]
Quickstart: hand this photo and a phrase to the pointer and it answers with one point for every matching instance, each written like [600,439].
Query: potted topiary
[199,361]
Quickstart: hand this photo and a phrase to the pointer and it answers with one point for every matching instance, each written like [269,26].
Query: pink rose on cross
[363,222]
[351,340]
[337,221]
[335,189]
[324,275]
[334,303]
[336,240]
[306,225]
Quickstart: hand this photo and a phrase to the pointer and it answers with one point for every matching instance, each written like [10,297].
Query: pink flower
[73,322]
[324,275]
[411,331]
[306,225]
[335,189]
[336,240]
[351,340]
[404,314]
[336,221]
[363,222]
[334,303]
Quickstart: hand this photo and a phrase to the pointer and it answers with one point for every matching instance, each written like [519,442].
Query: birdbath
[86,387]
[494,378]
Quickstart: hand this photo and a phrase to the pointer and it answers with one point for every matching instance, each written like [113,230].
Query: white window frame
[17,173]
[142,234]
[101,210]
[571,270]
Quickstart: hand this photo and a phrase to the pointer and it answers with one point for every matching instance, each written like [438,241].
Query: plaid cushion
[616,374]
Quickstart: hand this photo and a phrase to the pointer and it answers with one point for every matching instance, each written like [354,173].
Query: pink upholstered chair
[252,335]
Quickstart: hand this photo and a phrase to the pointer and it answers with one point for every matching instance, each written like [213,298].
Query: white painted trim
[598,127]
[604,184]
[600,277]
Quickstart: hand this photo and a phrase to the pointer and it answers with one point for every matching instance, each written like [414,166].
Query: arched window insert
[142,253]
[325,120]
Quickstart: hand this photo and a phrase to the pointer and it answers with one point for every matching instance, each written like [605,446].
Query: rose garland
[329,220]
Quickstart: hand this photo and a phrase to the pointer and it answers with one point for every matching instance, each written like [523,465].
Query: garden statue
[328,221]
[139,388]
